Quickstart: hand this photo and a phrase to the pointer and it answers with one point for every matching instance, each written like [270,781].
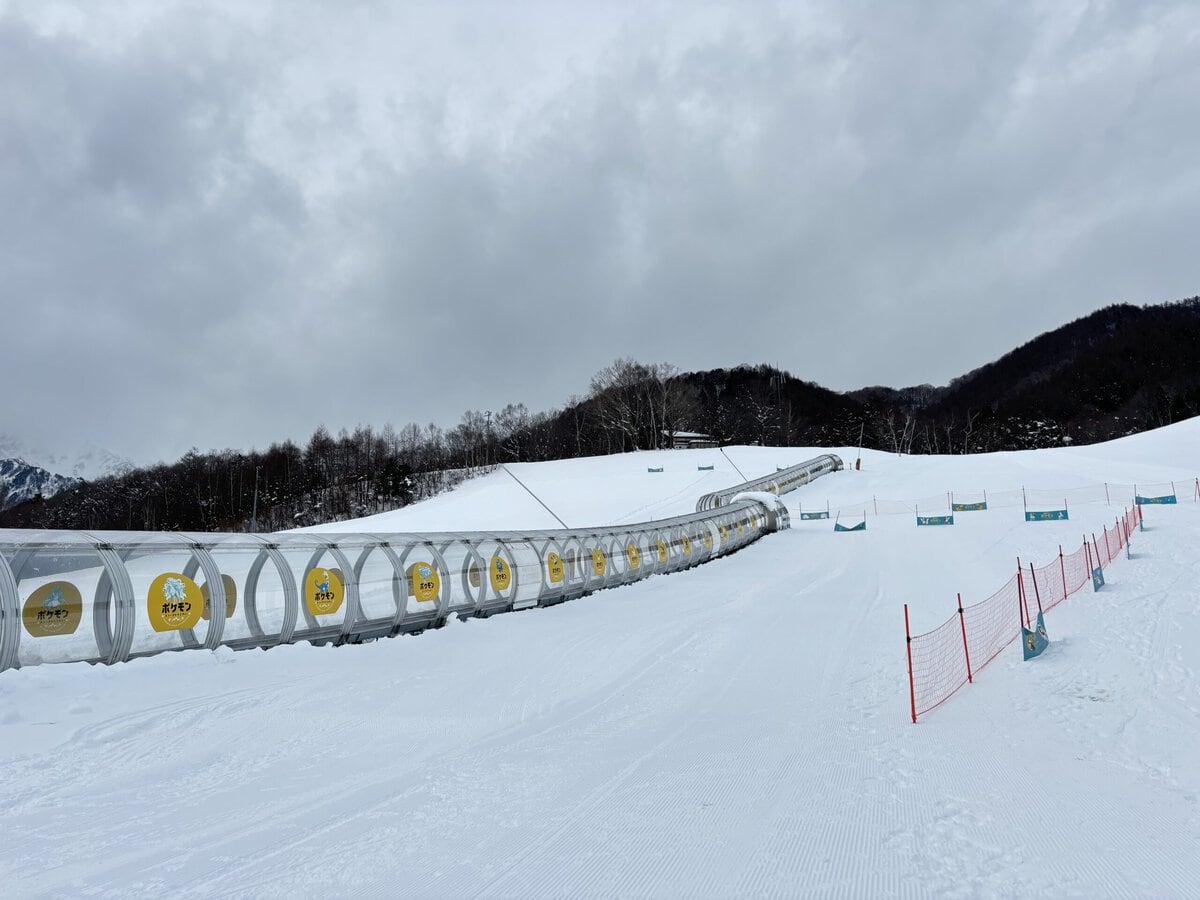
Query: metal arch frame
[202,559]
[640,538]
[710,541]
[550,593]
[603,540]
[476,596]
[411,622]
[397,578]
[494,601]
[587,565]
[619,556]
[10,618]
[351,612]
[654,536]
[523,583]
[440,604]
[115,585]
[10,622]
[698,554]
[575,580]
[678,558]
[291,594]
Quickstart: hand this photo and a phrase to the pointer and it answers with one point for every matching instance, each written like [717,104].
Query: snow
[739,728]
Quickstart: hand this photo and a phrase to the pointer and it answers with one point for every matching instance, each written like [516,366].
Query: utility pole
[254,506]
[487,447]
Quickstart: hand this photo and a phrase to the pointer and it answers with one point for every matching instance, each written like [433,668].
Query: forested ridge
[1120,370]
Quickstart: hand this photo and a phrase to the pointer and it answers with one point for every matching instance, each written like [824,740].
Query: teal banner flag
[935,520]
[969,507]
[861,526]
[648,469]
[1149,501]
[1097,578]
[704,468]
[1034,642]
[1046,515]
[817,515]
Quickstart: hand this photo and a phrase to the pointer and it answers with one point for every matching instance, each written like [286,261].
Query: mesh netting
[1112,543]
[1075,569]
[939,665]
[939,660]
[1047,586]
[939,657]
[992,624]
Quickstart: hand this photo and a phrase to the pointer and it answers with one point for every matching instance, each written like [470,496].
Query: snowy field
[738,729]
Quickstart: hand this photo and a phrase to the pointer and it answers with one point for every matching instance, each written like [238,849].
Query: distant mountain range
[20,482]
[88,462]
[28,472]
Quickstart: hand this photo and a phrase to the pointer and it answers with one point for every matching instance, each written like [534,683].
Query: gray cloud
[224,227]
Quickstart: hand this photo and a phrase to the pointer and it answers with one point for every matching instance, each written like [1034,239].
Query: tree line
[1120,370]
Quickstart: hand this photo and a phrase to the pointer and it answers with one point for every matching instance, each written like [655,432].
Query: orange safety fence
[941,661]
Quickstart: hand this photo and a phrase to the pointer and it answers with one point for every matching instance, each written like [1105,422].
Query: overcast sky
[223,224]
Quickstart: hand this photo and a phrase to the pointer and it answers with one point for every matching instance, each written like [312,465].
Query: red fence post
[1062,567]
[966,652]
[1088,555]
[1106,500]
[912,694]
[1022,604]
[1036,593]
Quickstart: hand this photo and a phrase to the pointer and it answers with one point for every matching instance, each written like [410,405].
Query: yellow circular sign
[599,562]
[662,551]
[500,574]
[724,533]
[708,542]
[174,603]
[424,583]
[634,555]
[230,597]
[52,609]
[687,546]
[323,591]
[554,564]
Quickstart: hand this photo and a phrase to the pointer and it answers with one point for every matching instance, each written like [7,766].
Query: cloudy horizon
[224,224]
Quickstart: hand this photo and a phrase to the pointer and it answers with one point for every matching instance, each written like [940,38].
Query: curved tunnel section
[782,482]
[107,597]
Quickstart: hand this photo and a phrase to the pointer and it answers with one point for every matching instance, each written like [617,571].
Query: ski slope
[737,729]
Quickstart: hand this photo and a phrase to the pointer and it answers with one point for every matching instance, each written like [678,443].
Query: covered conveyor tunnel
[105,597]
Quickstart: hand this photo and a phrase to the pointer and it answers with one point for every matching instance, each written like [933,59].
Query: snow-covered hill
[737,729]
